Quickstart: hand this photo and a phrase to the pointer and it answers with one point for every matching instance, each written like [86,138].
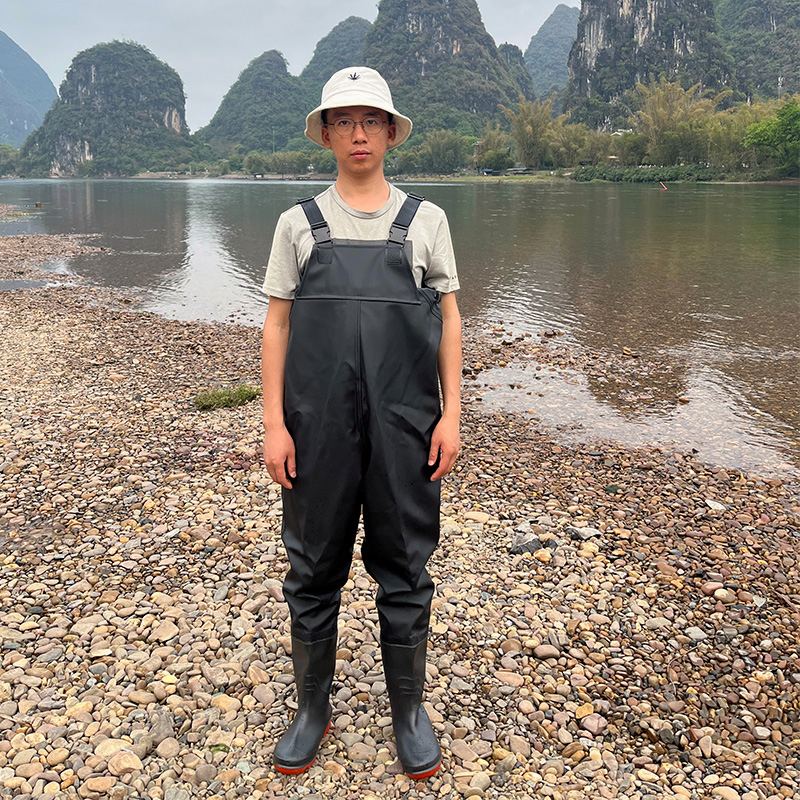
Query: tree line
[669,127]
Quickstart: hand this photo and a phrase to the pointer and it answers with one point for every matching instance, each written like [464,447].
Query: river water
[701,281]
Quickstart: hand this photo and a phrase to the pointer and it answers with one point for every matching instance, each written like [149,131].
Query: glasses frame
[355,122]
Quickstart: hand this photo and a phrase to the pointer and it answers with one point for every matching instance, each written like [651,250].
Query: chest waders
[361,400]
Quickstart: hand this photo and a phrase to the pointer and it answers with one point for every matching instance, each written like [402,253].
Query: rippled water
[700,280]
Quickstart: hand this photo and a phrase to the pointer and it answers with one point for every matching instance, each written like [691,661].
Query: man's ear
[392,134]
[326,137]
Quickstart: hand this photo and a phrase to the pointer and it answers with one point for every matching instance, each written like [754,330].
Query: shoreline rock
[144,642]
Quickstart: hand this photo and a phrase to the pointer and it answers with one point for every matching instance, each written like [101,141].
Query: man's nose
[356,125]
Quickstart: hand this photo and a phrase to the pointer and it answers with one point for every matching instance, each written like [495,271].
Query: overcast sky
[209,42]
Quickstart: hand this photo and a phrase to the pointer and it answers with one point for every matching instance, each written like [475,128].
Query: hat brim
[313,131]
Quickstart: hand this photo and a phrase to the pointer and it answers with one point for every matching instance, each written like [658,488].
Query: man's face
[358,150]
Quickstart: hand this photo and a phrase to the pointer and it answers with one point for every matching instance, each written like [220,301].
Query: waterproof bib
[361,400]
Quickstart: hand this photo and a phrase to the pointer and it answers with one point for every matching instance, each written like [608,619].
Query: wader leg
[401,531]
[320,520]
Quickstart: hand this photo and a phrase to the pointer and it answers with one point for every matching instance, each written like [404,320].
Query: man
[361,331]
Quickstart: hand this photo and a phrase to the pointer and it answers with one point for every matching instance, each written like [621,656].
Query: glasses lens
[370,125]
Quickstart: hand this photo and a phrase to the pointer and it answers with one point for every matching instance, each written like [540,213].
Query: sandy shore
[608,623]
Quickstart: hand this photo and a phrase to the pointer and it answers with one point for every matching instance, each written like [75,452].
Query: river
[702,282]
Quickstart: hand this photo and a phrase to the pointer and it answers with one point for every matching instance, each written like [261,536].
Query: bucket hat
[356,86]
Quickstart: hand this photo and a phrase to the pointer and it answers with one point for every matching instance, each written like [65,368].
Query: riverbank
[608,622]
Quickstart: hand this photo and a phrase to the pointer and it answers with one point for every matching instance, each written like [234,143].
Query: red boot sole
[421,776]
[298,770]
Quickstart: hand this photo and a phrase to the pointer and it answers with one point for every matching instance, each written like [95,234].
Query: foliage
[264,108]
[290,162]
[513,57]
[763,38]
[444,69]
[779,137]
[548,51]
[256,163]
[25,93]
[117,114]
[323,161]
[443,153]
[629,148]
[689,172]
[493,150]
[670,118]
[674,39]
[529,129]
[9,159]
[230,397]
[342,47]
[566,142]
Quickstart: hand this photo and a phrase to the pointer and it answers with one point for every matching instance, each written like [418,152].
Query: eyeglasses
[345,127]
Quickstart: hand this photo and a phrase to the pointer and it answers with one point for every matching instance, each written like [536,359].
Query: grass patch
[226,398]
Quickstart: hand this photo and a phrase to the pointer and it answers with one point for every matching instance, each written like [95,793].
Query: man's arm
[279,455]
[445,439]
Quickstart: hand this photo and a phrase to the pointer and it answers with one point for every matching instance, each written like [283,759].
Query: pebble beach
[608,622]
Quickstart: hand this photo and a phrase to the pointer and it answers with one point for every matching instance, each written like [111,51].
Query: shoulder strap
[319,228]
[401,224]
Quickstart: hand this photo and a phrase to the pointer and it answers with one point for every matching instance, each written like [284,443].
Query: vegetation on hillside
[548,51]
[120,110]
[263,110]
[444,68]
[763,38]
[342,47]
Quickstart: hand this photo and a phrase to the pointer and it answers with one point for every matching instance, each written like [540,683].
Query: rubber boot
[314,664]
[417,747]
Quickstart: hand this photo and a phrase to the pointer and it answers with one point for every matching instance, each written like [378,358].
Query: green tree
[323,161]
[493,149]
[291,162]
[566,142]
[779,137]
[529,129]
[9,159]
[669,117]
[443,152]
[256,163]
[629,147]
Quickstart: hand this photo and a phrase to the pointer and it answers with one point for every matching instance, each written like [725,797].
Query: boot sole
[298,770]
[421,776]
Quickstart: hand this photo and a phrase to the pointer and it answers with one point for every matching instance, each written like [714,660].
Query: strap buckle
[321,232]
[398,234]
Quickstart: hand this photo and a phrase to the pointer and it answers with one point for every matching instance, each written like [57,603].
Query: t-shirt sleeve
[283,268]
[441,273]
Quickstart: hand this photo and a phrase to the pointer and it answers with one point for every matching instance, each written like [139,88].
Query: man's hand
[279,456]
[444,446]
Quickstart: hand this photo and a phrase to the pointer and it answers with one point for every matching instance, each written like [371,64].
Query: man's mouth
[360,154]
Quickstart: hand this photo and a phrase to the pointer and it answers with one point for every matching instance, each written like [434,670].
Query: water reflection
[700,282]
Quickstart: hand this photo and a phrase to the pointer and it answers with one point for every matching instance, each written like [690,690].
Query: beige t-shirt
[434,262]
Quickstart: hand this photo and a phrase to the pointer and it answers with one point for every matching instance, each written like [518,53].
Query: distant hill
[444,69]
[548,52]
[621,44]
[263,110]
[25,93]
[120,110]
[342,47]
[513,57]
[763,39]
